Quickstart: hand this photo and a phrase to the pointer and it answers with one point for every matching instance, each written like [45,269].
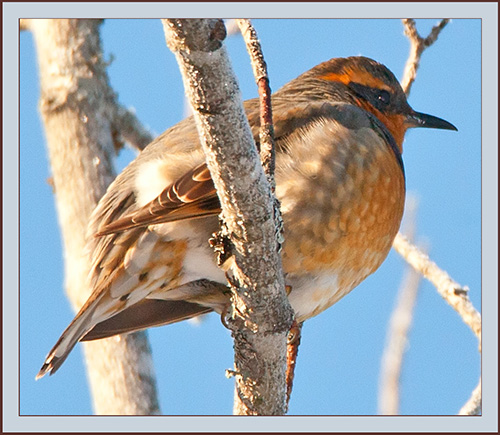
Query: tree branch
[452,292]
[399,326]
[259,67]
[417,47]
[74,104]
[262,315]
[474,404]
[128,126]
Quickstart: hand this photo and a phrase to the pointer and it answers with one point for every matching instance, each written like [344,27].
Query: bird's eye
[384,97]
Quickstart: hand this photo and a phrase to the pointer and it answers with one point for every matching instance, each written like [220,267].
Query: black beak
[416,119]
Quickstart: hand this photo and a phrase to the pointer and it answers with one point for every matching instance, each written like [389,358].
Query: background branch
[452,292]
[262,315]
[128,126]
[74,104]
[399,326]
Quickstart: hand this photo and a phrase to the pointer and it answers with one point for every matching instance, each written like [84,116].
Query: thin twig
[267,146]
[417,47]
[452,292]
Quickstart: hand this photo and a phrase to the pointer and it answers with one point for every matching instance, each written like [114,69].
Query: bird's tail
[145,314]
[71,335]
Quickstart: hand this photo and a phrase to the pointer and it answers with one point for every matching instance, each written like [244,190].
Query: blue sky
[339,358]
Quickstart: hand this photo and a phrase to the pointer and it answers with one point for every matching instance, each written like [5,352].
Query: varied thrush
[339,131]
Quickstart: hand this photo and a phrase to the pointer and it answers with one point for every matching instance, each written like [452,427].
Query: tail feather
[145,314]
[71,335]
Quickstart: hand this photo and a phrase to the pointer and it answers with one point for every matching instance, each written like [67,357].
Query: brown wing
[191,196]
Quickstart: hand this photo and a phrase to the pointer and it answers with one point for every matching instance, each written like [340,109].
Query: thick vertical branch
[262,315]
[267,149]
[74,104]
[267,145]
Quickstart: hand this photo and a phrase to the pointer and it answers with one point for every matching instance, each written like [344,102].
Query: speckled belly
[340,232]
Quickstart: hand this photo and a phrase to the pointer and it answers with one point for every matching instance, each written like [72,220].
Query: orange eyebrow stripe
[361,77]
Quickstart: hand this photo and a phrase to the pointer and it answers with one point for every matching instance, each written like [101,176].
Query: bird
[340,180]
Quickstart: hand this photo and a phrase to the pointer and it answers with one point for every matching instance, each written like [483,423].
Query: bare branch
[262,315]
[74,105]
[267,145]
[128,126]
[124,122]
[417,47]
[399,326]
[452,292]
[474,404]
[397,343]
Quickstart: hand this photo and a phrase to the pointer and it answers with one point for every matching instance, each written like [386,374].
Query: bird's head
[373,87]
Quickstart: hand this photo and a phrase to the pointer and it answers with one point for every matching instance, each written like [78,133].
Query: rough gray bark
[261,315]
[75,107]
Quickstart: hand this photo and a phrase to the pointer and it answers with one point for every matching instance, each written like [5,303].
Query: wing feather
[191,196]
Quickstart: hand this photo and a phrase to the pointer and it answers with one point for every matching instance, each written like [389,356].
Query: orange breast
[352,213]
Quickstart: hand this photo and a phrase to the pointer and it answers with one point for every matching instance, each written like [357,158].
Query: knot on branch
[461,291]
[221,244]
[243,319]
[189,34]
[218,33]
